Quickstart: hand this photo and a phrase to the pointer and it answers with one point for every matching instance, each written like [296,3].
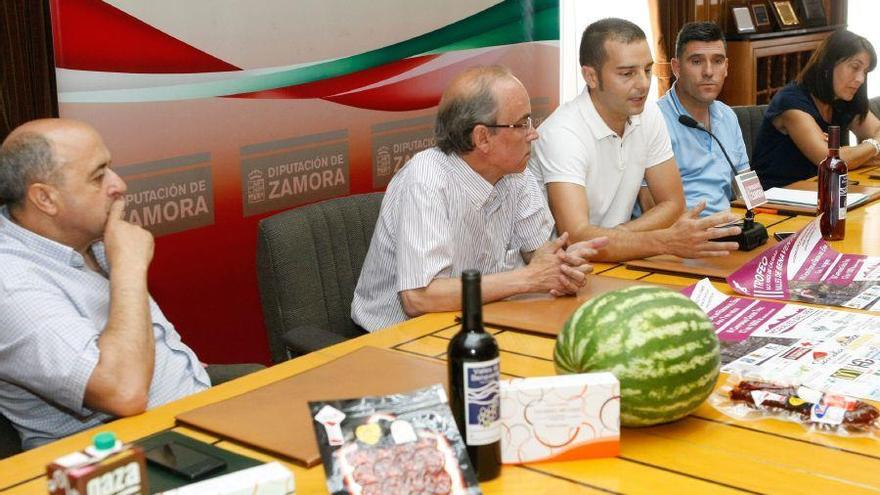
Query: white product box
[267,479]
[558,418]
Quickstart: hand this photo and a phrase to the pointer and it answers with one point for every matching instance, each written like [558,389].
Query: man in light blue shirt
[81,340]
[700,67]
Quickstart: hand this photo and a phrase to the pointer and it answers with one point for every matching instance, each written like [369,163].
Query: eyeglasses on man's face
[523,124]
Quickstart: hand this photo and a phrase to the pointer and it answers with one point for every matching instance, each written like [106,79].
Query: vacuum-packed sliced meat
[364,474]
[432,458]
[372,489]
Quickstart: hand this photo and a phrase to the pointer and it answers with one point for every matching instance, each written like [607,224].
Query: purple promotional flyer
[827,349]
[805,268]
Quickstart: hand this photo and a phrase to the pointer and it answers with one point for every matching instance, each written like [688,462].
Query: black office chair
[750,118]
[308,263]
[10,442]
[874,105]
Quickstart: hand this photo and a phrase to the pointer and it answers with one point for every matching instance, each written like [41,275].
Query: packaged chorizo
[404,443]
[754,397]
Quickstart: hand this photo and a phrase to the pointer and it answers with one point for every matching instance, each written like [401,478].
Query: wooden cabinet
[760,63]
[758,68]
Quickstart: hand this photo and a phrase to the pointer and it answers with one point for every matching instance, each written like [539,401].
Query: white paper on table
[797,197]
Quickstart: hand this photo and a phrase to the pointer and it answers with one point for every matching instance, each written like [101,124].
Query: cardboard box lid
[276,417]
[545,314]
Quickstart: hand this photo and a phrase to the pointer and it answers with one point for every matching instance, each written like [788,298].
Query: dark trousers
[221,373]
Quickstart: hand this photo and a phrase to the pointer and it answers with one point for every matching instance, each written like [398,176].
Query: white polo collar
[595,122]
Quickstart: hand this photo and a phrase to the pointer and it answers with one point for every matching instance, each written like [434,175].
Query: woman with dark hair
[830,90]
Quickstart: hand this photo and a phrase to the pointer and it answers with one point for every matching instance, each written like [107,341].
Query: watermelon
[658,343]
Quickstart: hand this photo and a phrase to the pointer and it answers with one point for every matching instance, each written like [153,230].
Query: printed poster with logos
[805,268]
[825,349]
[219,114]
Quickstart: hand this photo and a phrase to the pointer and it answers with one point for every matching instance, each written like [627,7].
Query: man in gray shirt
[81,340]
[467,203]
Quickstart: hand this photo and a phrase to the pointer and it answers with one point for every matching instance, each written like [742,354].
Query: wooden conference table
[706,452]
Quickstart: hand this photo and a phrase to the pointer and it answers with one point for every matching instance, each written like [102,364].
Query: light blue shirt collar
[705,172]
[714,113]
[52,249]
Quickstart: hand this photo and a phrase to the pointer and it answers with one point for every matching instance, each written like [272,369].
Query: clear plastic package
[747,397]
[399,443]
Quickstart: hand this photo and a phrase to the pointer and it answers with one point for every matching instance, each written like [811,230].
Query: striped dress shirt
[52,310]
[439,218]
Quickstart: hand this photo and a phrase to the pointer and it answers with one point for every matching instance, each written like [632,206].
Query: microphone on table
[753,233]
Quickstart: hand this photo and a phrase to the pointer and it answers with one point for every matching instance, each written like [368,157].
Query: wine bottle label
[482,402]
[842,199]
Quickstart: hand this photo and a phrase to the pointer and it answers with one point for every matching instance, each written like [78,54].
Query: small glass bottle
[832,190]
[474,372]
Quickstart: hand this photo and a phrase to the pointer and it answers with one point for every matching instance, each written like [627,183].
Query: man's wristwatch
[876,144]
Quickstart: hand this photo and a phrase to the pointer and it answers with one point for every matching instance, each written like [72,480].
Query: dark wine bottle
[474,371]
[832,190]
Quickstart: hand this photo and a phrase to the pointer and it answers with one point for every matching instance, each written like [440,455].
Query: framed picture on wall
[761,16]
[811,12]
[742,20]
[786,17]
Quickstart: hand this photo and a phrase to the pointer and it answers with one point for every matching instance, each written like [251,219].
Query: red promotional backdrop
[220,114]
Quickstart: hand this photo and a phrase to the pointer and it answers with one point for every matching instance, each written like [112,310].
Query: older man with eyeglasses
[467,203]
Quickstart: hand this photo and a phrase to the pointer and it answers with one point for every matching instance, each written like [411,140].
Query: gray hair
[25,159]
[461,109]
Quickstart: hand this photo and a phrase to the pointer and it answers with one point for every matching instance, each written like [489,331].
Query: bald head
[62,134]
[473,81]
[36,151]
[470,99]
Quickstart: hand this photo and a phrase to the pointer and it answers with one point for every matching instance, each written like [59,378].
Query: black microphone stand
[753,233]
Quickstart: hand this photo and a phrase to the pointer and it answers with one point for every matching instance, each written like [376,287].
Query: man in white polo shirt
[595,151]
